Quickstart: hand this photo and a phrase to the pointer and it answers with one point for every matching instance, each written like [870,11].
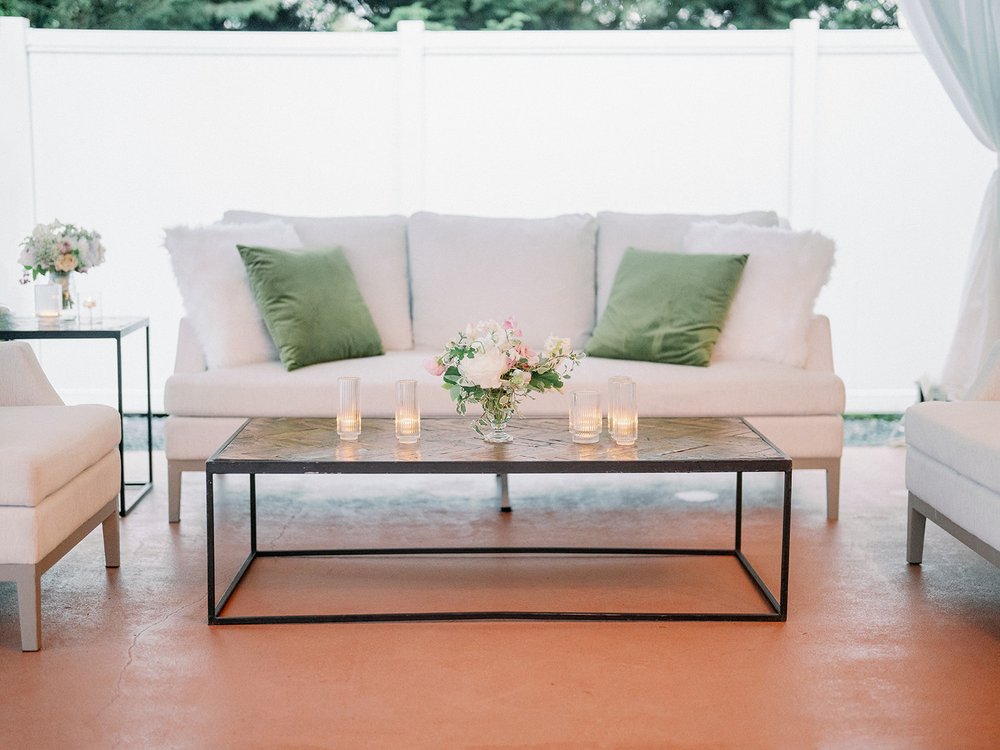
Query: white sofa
[425,277]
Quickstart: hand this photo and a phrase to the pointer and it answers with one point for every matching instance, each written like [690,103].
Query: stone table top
[280,445]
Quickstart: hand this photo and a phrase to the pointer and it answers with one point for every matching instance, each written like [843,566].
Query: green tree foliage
[382,15]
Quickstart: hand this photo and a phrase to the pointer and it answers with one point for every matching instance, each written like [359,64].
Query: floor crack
[135,639]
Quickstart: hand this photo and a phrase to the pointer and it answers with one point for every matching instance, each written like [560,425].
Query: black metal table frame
[778,605]
[141,489]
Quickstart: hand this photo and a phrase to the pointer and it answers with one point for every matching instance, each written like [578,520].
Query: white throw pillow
[770,314]
[465,268]
[375,248]
[216,291]
[657,232]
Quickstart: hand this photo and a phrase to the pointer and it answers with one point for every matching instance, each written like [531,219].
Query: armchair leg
[916,523]
[112,542]
[29,605]
[833,490]
[174,474]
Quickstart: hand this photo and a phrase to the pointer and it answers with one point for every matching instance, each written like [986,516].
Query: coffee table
[542,446]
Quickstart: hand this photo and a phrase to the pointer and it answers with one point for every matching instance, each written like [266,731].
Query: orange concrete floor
[875,653]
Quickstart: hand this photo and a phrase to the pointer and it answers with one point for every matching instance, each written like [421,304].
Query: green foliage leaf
[383,15]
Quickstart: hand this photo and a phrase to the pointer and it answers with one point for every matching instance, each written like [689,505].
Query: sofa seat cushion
[961,434]
[42,448]
[466,268]
[266,389]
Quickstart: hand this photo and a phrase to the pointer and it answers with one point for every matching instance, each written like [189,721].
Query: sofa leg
[174,475]
[503,490]
[29,606]
[916,523]
[112,541]
[833,490]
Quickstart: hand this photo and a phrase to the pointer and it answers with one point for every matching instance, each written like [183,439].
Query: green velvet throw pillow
[311,305]
[667,307]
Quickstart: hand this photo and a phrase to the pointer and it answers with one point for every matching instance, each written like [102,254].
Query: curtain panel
[961,40]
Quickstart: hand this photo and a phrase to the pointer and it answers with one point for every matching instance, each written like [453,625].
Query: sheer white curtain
[961,40]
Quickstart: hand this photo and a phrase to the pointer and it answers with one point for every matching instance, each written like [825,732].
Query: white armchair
[953,467]
[59,480]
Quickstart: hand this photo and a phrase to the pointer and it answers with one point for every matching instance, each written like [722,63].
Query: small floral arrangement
[59,248]
[488,363]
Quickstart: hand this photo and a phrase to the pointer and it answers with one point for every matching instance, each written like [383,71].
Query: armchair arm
[22,381]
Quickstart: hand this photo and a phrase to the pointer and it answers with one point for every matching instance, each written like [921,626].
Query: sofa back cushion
[311,305]
[667,307]
[375,248]
[465,268]
[216,291]
[657,232]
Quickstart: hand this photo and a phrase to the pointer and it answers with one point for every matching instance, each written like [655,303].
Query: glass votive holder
[48,301]
[585,416]
[349,408]
[623,413]
[407,412]
[91,310]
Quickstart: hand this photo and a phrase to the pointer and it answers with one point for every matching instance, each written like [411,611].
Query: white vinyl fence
[846,132]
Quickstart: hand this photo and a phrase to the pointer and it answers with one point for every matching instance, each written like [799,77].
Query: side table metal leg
[121,421]
[141,489]
[149,414]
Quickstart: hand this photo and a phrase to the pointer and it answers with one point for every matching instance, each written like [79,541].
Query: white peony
[555,346]
[485,368]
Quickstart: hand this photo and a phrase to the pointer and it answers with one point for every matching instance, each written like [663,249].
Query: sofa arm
[820,345]
[189,356]
[22,380]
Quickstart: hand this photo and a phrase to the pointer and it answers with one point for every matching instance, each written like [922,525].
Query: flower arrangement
[59,248]
[488,363]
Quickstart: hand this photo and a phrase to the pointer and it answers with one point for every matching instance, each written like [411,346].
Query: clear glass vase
[498,409]
[67,283]
[495,429]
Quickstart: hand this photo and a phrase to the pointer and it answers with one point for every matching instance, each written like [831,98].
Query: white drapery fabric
[961,40]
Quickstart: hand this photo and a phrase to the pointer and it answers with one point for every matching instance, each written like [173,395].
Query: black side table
[109,328]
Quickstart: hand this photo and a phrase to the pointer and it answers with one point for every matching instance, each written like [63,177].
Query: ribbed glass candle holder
[407,412]
[349,408]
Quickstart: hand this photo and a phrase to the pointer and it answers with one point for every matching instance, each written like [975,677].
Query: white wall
[846,132]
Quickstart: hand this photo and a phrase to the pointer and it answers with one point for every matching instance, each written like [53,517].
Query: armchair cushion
[959,434]
[42,448]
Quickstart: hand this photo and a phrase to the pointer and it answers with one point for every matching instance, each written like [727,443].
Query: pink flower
[526,352]
[511,325]
[434,367]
